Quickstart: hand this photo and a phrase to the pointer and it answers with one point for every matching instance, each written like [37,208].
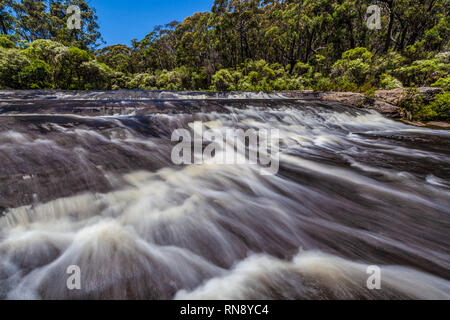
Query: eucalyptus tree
[6,17]
[47,19]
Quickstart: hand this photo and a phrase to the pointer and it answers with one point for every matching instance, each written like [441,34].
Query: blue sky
[121,21]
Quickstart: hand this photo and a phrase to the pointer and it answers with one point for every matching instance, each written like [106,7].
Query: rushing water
[87,180]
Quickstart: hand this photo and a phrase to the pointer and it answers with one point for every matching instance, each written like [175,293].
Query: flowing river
[87,180]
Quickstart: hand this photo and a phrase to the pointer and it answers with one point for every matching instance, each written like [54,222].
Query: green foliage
[118,57]
[260,76]
[358,54]
[6,17]
[443,83]
[30,20]
[412,103]
[438,36]
[443,57]
[170,80]
[415,107]
[120,80]
[324,84]
[354,69]
[440,107]
[423,72]
[143,81]
[226,80]
[51,52]
[304,69]
[5,42]
[36,75]
[12,62]
[78,56]
[388,82]
[71,68]
[416,52]
[276,45]
[93,76]
[387,63]
[240,45]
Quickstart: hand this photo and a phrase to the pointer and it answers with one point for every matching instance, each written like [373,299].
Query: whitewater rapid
[96,189]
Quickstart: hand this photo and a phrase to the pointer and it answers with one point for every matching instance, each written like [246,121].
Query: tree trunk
[391,25]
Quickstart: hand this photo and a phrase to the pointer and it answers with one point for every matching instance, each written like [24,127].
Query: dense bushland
[242,45]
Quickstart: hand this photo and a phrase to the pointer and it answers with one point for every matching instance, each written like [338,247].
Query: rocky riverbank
[384,101]
[387,102]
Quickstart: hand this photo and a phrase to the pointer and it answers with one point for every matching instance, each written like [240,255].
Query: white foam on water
[214,231]
[319,276]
